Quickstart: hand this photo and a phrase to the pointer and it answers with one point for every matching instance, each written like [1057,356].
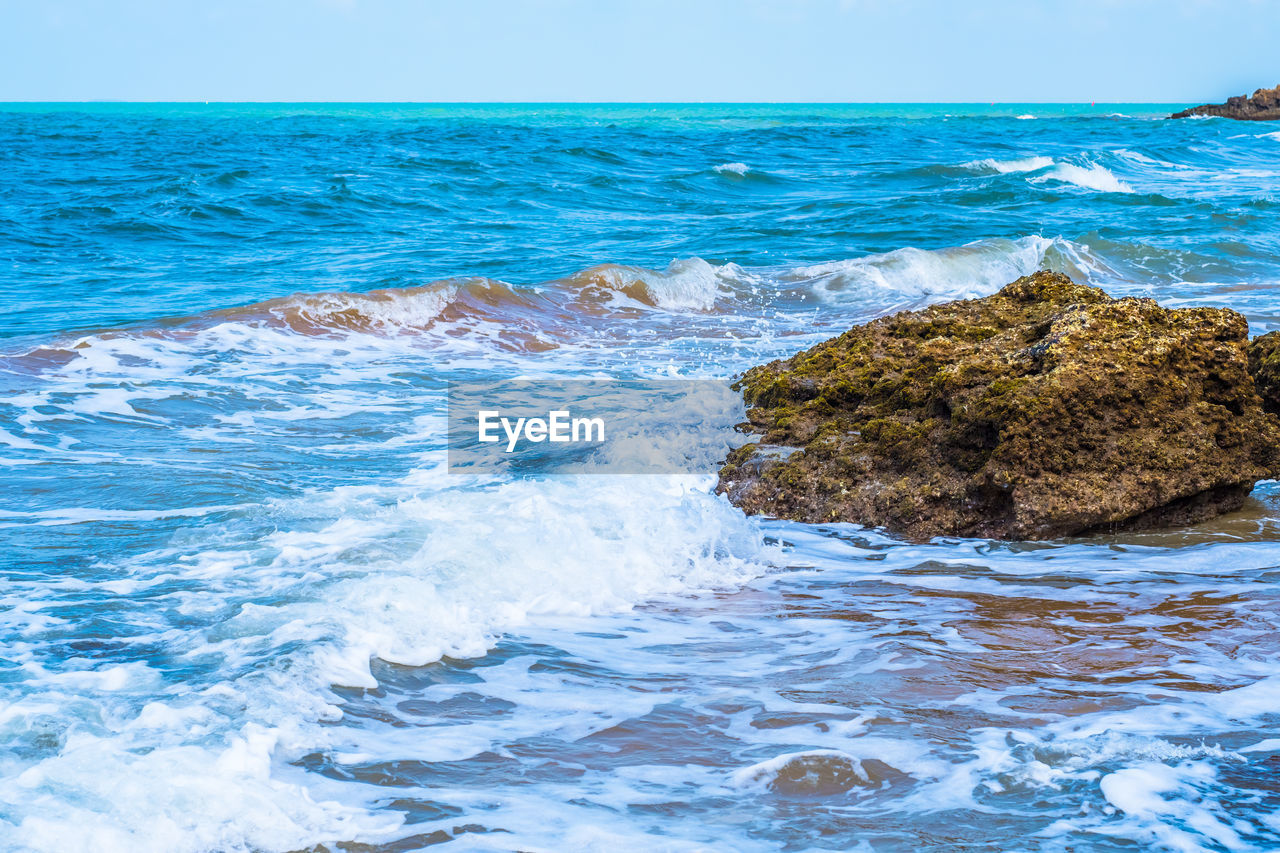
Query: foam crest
[1004,167]
[385,311]
[691,284]
[462,580]
[1086,174]
[1091,176]
[911,276]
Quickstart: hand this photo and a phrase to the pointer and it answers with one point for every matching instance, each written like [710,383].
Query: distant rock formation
[1264,105]
[1045,410]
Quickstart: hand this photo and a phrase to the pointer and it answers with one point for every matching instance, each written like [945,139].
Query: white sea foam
[734,168]
[470,564]
[1162,800]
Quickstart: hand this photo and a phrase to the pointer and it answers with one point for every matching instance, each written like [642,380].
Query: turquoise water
[243,606]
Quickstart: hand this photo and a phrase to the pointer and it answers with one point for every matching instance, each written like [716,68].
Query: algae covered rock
[1264,364]
[1045,410]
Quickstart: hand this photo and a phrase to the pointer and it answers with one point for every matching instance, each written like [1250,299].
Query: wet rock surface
[1045,410]
[1264,364]
[1262,105]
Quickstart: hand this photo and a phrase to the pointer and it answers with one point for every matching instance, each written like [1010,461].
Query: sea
[245,605]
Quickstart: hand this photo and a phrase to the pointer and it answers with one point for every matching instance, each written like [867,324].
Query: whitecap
[686,284]
[1090,177]
[913,276]
[1021,164]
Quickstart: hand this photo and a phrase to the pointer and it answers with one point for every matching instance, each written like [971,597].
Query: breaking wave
[1002,167]
[1085,174]
[1089,177]
[597,304]
[404,574]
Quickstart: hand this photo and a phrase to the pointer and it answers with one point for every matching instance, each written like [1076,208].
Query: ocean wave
[689,284]
[293,370]
[733,168]
[374,311]
[1091,176]
[1088,175]
[914,276]
[1021,164]
[598,303]
[685,285]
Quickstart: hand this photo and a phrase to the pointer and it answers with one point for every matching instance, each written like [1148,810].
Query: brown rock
[1264,364]
[1045,410]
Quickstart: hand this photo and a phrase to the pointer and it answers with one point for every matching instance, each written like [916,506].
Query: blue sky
[637,50]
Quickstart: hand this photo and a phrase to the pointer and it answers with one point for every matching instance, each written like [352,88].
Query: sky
[1167,51]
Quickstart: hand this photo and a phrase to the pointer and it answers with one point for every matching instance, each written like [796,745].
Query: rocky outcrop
[1264,364]
[1045,410]
[1262,105]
